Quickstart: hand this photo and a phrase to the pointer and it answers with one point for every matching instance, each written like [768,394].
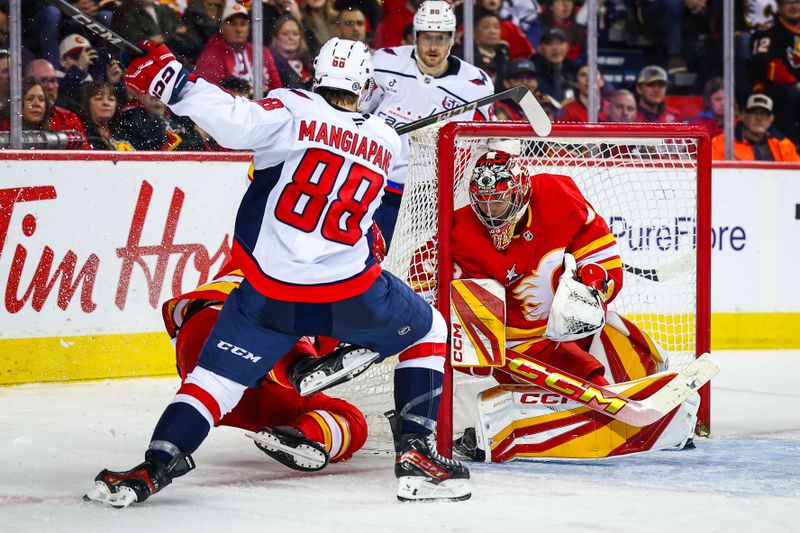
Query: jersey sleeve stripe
[593,246]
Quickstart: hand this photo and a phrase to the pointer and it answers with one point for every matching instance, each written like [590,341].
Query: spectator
[519,72]
[622,106]
[397,14]
[651,85]
[491,52]
[577,110]
[525,14]
[352,24]
[5,84]
[561,14]
[137,20]
[77,56]
[319,20]
[99,109]
[713,111]
[229,53]
[92,9]
[519,47]
[36,111]
[753,140]
[290,51]
[665,18]
[60,118]
[273,10]
[555,72]
[370,8]
[776,66]
[201,19]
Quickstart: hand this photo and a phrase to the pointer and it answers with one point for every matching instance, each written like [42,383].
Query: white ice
[54,438]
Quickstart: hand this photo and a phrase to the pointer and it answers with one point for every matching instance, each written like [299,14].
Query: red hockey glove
[595,276]
[378,244]
[157,73]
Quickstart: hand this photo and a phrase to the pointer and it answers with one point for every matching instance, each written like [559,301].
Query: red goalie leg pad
[191,338]
[338,425]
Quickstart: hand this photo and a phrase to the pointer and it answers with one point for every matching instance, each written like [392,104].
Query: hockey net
[651,183]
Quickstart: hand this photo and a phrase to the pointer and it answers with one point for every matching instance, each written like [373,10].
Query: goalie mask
[499,192]
[346,65]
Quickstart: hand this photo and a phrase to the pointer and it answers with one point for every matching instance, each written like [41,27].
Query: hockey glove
[157,73]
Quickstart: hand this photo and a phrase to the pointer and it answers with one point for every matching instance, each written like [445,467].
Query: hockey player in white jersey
[417,81]
[302,238]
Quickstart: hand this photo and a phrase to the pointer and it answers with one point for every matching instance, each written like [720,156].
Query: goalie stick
[638,413]
[539,120]
[663,273]
[95,27]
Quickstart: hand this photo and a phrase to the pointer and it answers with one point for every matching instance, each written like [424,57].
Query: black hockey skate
[314,374]
[466,446]
[120,489]
[288,445]
[424,475]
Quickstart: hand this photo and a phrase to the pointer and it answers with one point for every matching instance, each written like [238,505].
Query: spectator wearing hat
[776,66]
[621,107]
[576,110]
[60,117]
[229,53]
[519,72]
[555,72]
[76,56]
[137,20]
[651,86]
[561,14]
[753,139]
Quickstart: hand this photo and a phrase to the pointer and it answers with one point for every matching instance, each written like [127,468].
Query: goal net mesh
[645,188]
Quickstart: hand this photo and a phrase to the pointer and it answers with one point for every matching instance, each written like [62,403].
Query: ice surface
[55,438]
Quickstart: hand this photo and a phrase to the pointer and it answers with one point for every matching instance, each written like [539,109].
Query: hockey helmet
[435,15]
[499,193]
[346,65]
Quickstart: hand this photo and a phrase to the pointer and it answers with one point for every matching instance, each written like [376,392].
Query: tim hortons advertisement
[92,248]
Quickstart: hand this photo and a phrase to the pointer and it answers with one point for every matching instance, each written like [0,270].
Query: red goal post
[651,182]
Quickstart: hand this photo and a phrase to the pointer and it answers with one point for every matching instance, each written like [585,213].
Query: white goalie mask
[346,65]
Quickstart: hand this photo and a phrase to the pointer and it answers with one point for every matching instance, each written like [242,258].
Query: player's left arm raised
[235,123]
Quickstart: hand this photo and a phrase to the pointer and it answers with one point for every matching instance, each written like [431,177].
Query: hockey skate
[423,474]
[466,447]
[120,489]
[288,445]
[315,374]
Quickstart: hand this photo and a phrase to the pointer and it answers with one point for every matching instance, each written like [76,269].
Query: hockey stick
[95,27]
[530,106]
[664,273]
[638,413]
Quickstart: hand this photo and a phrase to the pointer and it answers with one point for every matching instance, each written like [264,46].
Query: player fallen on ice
[560,267]
[302,240]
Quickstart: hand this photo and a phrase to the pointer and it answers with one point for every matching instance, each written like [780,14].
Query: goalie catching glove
[157,73]
[579,304]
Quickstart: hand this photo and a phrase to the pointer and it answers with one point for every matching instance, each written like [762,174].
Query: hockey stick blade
[664,273]
[535,114]
[637,413]
[95,27]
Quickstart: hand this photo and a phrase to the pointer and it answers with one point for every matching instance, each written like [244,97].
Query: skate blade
[355,363]
[419,489]
[102,494]
[305,457]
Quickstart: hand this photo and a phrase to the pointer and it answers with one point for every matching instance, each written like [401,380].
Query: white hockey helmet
[346,65]
[435,15]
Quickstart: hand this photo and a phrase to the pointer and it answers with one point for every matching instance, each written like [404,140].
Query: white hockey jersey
[404,94]
[302,230]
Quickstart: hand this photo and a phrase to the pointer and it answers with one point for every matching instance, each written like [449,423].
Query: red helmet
[499,192]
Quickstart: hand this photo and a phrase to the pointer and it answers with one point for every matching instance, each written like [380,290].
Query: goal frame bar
[446,167]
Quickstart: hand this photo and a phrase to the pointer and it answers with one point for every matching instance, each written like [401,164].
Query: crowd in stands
[672,50]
